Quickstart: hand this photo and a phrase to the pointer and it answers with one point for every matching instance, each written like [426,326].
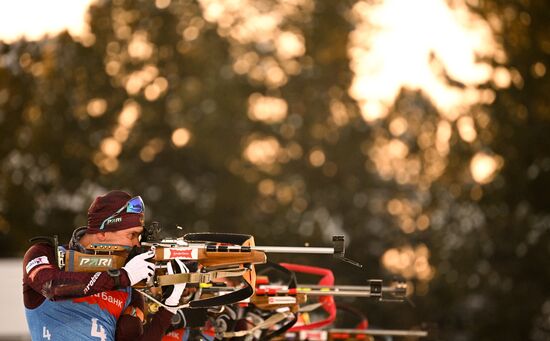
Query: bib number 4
[98,330]
[46,333]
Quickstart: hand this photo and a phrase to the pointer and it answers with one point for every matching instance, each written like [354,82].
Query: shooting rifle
[276,306]
[223,255]
[274,299]
[217,255]
[333,334]
[268,295]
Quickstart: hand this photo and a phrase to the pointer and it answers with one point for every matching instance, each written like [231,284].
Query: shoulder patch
[36,262]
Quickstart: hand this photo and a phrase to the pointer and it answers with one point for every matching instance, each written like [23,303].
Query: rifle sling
[281,329]
[231,298]
[199,277]
[273,320]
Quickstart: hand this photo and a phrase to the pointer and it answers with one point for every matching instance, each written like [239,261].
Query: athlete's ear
[101,236]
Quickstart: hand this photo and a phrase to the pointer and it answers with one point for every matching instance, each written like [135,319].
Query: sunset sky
[34,18]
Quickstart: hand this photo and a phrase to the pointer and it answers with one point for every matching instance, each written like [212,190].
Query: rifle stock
[82,262]
[272,303]
[209,258]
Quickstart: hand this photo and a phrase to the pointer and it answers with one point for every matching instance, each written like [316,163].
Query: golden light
[393,161]
[136,80]
[33,113]
[267,109]
[156,88]
[408,215]
[372,110]
[151,149]
[266,187]
[538,70]
[284,194]
[129,114]
[152,92]
[262,151]
[249,23]
[397,149]
[484,167]
[244,62]
[394,207]
[112,67]
[121,133]
[294,150]
[423,222]
[517,78]
[33,19]
[111,147]
[290,45]
[181,137]
[409,262]
[259,28]
[317,158]
[416,44]
[390,258]
[96,107]
[140,47]
[161,4]
[191,33]
[502,77]
[212,10]
[407,225]
[108,165]
[339,113]
[134,83]
[466,128]
[443,135]
[398,126]
[275,77]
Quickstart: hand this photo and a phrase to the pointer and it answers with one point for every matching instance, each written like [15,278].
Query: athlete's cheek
[134,241]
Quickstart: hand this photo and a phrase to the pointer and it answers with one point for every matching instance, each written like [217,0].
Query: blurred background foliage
[255,117]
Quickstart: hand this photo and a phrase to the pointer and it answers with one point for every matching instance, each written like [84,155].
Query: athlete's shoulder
[37,250]
[38,255]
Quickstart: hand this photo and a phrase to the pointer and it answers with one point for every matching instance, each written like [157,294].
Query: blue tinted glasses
[134,205]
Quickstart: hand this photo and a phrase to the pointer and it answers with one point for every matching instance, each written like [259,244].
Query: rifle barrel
[295,249]
[389,289]
[334,291]
[267,249]
[175,243]
[321,291]
[381,332]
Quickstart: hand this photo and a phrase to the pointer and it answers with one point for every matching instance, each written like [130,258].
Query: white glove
[174,299]
[139,269]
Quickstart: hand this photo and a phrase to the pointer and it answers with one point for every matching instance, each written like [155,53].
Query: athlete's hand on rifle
[138,268]
[174,292]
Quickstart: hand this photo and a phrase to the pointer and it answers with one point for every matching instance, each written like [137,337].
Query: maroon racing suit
[43,280]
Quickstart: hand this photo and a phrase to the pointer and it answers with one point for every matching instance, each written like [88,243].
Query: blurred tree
[240,118]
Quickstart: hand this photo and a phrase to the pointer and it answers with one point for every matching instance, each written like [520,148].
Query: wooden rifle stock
[210,258]
[272,303]
[105,257]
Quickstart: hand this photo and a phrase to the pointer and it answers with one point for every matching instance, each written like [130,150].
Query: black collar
[74,244]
